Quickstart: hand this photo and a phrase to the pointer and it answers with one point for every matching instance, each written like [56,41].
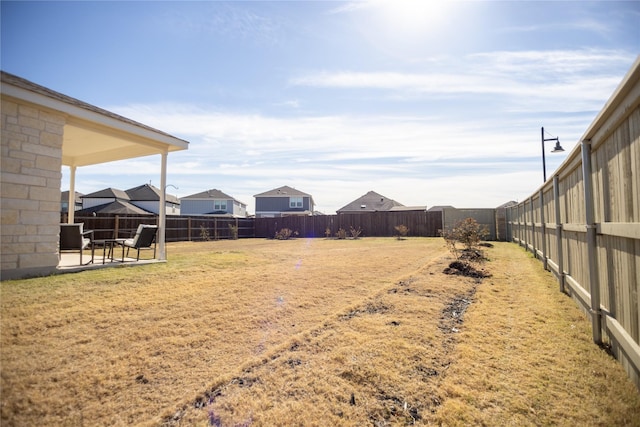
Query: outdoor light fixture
[557,149]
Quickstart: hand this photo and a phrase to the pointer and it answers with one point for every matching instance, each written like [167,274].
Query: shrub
[204,233]
[469,234]
[341,234]
[327,232]
[402,231]
[234,231]
[355,233]
[466,232]
[285,234]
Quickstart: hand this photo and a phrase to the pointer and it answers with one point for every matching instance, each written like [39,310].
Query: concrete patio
[70,262]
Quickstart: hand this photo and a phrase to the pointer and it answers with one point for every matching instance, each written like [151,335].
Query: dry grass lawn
[305,332]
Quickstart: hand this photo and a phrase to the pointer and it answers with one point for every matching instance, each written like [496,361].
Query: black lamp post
[557,149]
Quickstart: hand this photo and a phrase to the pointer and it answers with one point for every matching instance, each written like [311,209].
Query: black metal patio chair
[144,238]
[74,239]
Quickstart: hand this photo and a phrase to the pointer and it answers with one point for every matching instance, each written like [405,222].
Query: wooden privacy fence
[188,228]
[371,224]
[484,217]
[584,224]
[178,228]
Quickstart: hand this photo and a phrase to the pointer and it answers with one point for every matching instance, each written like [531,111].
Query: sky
[427,103]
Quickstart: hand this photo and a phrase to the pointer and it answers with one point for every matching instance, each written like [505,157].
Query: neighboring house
[109,201]
[103,197]
[370,202]
[283,201]
[119,207]
[64,201]
[212,202]
[147,197]
[141,200]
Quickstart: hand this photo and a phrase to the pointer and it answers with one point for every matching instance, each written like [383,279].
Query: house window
[220,205]
[295,202]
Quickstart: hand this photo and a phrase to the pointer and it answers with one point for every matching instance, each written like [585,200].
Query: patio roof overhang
[93,135]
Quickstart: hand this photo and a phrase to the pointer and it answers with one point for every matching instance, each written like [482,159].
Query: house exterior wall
[202,207]
[273,205]
[30,181]
[239,209]
[172,209]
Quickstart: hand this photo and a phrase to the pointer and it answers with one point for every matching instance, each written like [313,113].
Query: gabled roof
[117,207]
[213,194]
[64,196]
[107,193]
[284,191]
[149,193]
[209,194]
[370,202]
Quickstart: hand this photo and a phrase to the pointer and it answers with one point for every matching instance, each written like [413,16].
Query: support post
[592,253]
[72,195]
[162,252]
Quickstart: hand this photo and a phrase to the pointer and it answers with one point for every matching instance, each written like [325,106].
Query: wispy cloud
[351,6]
[414,158]
[581,79]
[581,24]
[404,157]
[527,80]
[223,19]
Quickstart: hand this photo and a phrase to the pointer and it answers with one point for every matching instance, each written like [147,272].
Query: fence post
[543,231]
[592,253]
[507,233]
[522,223]
[116,226]
[556,197]
[189,229]
[525,226]
[533,229]
[515,228]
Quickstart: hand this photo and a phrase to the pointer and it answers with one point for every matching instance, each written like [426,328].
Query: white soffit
[92,135]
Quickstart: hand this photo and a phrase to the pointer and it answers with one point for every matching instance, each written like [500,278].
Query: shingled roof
[210,194]
[284,191]
[370,202]
[107,193]
[149,193]
[115,207]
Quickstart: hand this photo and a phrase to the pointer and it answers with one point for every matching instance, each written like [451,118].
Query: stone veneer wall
[30,181]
